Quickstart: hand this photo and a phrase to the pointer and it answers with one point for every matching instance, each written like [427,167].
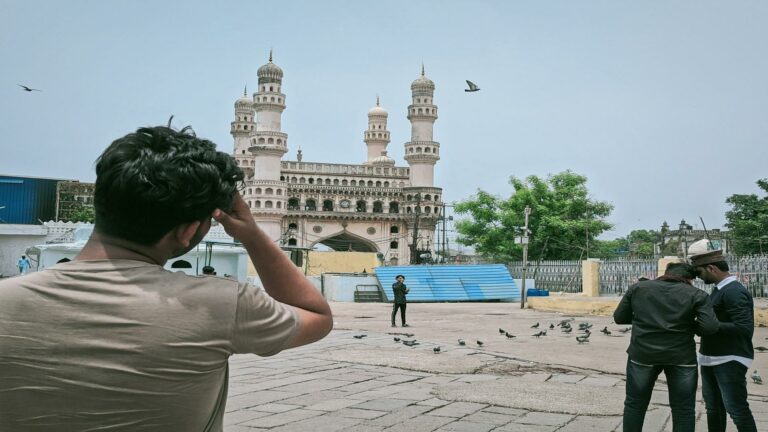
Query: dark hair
[681,269]
[154,179]
[399,276]
[721,265]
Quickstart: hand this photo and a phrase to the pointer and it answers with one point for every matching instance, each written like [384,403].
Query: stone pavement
[374,383]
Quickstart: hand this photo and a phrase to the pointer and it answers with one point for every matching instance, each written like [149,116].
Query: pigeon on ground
[587,332]
[408,334]
[410,343]
[359,336]
[436,350]
[584,326]
[605,331]
[625,329]
[462,342]
[509,336]
[565,322]
[567,329]
[566,326]
[28,89]
[756,378]
[551,326]
[397,339]
[502,331]
[582,339]
[535,325]
[480,343]
[761,349]
[540,334]
[472,87]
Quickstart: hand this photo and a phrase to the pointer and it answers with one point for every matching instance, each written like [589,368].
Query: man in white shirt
[725,357]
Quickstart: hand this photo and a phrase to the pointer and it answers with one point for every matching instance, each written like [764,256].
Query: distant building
[72,197]
[685,235]
[27,200]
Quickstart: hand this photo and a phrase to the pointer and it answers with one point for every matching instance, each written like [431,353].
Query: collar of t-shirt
[725,282]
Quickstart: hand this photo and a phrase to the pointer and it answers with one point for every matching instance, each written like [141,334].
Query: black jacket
[665,314]
[736,312]
[400,290]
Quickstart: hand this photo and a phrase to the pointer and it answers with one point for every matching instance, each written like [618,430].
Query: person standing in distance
[665,314]
[23,265]
[400,291]
[725,357]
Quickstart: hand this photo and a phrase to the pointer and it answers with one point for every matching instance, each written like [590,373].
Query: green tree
[82,213]
[748,221]
[564,221]
[641,243]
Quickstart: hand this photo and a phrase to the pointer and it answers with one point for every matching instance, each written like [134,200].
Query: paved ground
[544,384]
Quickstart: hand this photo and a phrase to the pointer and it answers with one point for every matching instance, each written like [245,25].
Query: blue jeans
[724,388]
[681,383]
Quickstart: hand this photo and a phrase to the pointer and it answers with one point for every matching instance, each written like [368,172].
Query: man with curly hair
[112,340]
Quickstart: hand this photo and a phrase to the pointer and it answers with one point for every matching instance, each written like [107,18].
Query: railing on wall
[616,276]
[551,275]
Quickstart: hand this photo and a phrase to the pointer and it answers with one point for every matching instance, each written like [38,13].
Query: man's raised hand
[238,222]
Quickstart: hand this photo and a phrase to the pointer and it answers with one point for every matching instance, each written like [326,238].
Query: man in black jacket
[400,290]
[664,313]
[726,355]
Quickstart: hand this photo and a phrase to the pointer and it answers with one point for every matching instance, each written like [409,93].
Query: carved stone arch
[344,240]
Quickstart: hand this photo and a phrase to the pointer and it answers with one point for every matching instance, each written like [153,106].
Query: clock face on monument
[344,203]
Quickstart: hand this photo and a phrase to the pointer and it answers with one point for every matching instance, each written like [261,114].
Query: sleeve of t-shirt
[263,325]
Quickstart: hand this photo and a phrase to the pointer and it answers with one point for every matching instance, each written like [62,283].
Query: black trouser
[395,307]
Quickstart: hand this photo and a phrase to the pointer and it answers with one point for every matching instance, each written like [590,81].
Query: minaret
[423,199]
[377,135]
[421,152]
[243,125]
[268,145]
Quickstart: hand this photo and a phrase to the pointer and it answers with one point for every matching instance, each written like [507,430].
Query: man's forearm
[281,278]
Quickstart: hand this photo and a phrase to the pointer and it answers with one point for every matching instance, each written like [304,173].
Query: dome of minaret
[422,82]
[383,160]
[270,72]
[377,110]
[244,101]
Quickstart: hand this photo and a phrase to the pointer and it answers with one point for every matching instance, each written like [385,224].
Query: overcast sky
[662,105]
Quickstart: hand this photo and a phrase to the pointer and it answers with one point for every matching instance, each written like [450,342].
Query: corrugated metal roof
[451,283]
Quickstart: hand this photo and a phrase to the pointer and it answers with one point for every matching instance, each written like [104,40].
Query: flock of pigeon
[565,327]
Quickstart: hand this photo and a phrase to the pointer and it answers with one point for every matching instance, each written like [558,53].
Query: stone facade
[375,206]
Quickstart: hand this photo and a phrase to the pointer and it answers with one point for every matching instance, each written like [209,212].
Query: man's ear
[184,233]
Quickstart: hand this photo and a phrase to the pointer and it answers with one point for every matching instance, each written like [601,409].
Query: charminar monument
[375,206]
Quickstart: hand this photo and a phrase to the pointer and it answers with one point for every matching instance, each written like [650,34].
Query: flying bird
[408,334]
[462,342]
[359,336]
[28,89]
[535,325]
[756,378]
[761,349]
[472,87]
[410,343]
[565,322]
[436,350]
[584,326]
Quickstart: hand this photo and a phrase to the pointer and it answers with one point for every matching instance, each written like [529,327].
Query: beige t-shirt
[120,345]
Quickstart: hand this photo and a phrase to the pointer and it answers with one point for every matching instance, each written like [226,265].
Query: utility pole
[414,251]
[444,238]
[524,241]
